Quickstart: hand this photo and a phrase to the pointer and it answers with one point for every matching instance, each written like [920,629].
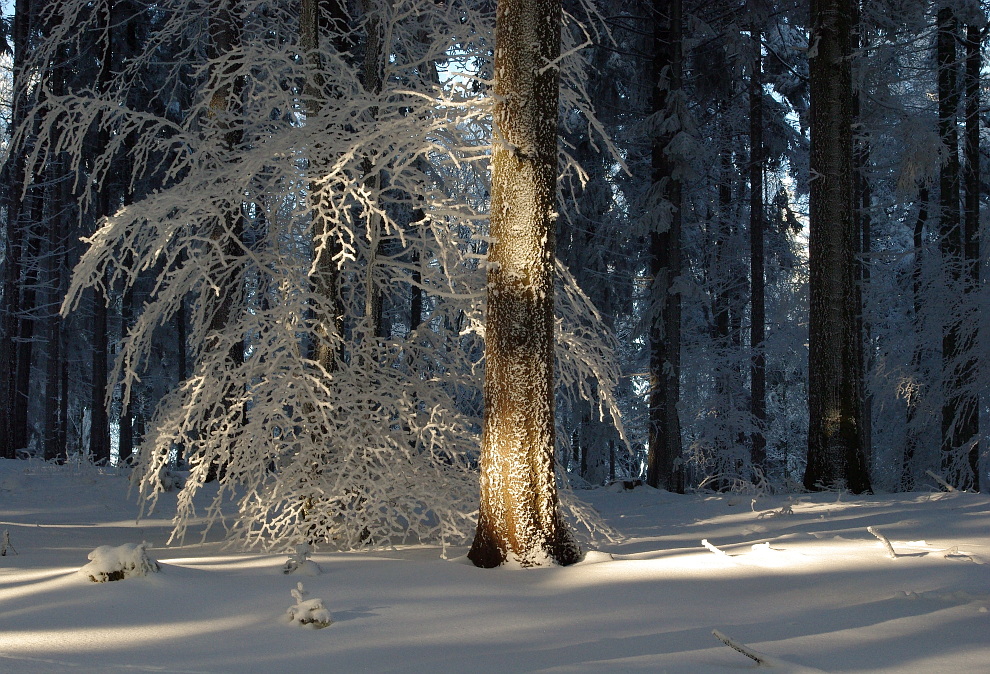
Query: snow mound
[109,563]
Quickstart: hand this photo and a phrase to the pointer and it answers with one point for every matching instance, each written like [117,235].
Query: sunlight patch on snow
[115,637]
[22,583]
[227,562]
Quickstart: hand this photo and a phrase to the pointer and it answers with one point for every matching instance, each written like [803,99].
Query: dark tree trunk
[59,198]
[970,422]
[912,441]
[959,413]
[862,218]
[720,278]
[13,179]
[99,442]
[757,288]
[415,294]
[835,453]
[26,332]
[663,469]
[519,518]
[99,430]
[317,18]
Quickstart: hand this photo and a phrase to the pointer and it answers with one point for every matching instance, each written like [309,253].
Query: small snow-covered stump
[309,612]
[300,563]
[108,563]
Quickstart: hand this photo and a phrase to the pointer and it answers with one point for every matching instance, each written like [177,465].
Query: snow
[109,563]
[799,579]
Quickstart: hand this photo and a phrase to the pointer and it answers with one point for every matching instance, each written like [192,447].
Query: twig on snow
[885,541]
[710,546]
[760,658]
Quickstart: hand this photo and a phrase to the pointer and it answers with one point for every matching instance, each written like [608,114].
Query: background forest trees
[277,218]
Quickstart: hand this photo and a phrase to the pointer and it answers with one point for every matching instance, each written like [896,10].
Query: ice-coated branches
[250,214]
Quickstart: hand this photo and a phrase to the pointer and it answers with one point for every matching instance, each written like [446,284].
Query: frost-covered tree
[306,201]
[379,444]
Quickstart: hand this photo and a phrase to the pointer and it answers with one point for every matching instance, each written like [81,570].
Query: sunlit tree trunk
[835,452]
[519,518]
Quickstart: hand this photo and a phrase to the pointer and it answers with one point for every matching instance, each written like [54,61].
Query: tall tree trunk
[99,441]
[862,218]
[28,306]
[14,174]
[519,517]
[835,452]
[58,195]
[665,258]
[372,78]
[319,17]
[958,422]
[970,424]
[912,441]
[30,223]
[225,105]
[720,278]
[758,367]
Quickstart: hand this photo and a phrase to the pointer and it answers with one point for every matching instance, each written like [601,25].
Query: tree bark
[862,219]
[757,288]
[959,411]
[970,424]
[13,173]
[316,18]
[665,259]
[912,441]
[519,518]
[835,454]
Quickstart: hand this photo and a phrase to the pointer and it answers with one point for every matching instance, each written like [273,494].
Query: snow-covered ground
[797,578]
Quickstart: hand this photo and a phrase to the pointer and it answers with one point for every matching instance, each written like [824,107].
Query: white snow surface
[801,581]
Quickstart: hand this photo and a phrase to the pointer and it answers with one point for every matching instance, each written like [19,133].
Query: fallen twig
[884,540]
[760,658]
[710,546]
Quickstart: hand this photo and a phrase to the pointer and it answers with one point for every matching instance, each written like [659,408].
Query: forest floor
[798,578]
